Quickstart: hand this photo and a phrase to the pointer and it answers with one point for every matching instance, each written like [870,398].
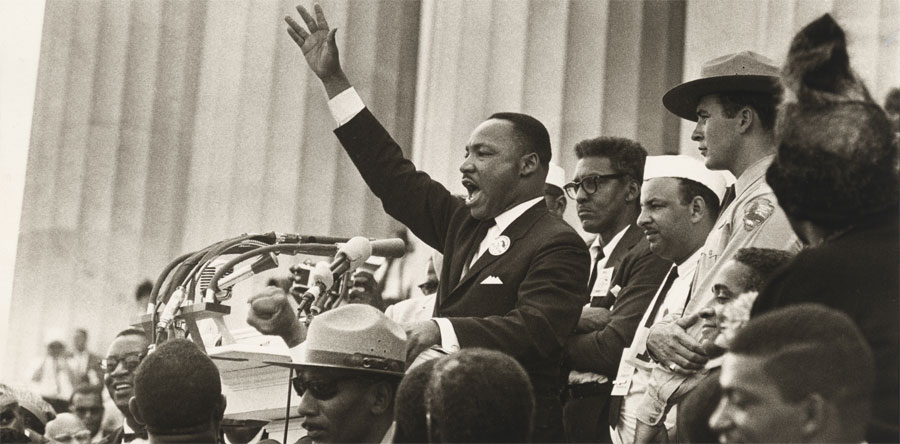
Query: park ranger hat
[745,71]
[354,337]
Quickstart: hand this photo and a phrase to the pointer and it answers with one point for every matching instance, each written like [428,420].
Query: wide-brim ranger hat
[354,337]
[745,71]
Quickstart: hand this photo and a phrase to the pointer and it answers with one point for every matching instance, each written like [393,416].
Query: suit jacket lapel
[514,232]
[633,235]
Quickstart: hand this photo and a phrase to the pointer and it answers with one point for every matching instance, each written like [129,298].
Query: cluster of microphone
[206,276]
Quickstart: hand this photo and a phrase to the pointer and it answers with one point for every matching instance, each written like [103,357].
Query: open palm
[317,44]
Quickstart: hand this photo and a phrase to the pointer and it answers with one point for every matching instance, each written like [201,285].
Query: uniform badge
[499,246]
[756,212]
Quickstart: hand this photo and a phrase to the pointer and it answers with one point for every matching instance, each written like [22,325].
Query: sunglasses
[320,389]
[130,361]
[590,184]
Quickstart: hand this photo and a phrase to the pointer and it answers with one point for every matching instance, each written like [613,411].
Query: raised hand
[271,314]
[319,48]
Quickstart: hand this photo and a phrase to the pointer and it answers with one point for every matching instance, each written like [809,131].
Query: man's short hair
[176,386]
[89,390]
[533,133]
[132,331]
[143,290]
[689,189]
[810,348]
[479,395]
[763,263]
[765,105]
[626,156]
[409,405]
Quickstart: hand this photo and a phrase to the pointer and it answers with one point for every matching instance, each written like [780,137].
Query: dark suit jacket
[543,272]
[639,273]
[857,273]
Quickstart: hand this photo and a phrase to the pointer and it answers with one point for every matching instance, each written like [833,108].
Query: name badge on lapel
[499,246]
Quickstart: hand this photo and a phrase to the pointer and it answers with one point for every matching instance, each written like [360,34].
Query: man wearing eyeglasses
[624,277]
[125,353]
[87,404]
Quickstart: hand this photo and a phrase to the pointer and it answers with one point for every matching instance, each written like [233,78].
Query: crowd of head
[764,311]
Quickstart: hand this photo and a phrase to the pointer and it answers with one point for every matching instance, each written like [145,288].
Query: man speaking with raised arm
[513,278]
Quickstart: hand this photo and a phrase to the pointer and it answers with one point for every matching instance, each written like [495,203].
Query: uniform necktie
[727,199]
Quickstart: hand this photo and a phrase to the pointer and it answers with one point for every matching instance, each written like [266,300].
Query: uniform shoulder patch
[757,211]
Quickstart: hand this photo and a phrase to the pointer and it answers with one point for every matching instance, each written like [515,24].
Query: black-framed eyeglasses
[130,361]
[321,389]
[590,184]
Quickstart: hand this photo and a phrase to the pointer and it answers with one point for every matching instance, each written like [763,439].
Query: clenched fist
[271,314]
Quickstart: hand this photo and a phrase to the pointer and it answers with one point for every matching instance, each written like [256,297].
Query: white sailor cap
[685,167]
[556,176]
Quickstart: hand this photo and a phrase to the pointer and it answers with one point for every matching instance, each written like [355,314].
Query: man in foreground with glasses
[125,353]
[624,276]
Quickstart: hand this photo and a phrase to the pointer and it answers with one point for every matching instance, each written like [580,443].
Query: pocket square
[491,280]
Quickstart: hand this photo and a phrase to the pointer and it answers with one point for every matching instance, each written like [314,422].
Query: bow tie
[132,436]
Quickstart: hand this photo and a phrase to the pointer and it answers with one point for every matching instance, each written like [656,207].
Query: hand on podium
[271,314]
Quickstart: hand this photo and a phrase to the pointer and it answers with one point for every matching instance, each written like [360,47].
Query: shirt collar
[688,267]
[611,245]
[389,435]
[509,216]
[752,174]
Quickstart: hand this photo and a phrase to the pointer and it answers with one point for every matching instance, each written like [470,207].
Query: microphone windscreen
[321,273]
[357,250]
[394,248]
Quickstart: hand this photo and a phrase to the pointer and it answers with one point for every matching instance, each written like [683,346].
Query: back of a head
[479,395]
[810,348]
[409,404]
[177,387]
[837,153]
[763,263]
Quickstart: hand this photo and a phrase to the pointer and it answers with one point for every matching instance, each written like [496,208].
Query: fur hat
[837,155]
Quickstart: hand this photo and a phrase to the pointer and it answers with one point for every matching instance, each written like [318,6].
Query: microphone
[351,255]
[264,263]
[173,305]
[320,280]
[393,248]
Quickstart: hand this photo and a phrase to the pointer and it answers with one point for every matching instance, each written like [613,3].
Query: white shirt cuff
[449,341]
[296,353]
[345,106]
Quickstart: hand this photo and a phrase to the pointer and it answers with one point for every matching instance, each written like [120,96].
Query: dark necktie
[142,434]
[480,232]
[727,199]
[615,402]
[667,285]
[593,279]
